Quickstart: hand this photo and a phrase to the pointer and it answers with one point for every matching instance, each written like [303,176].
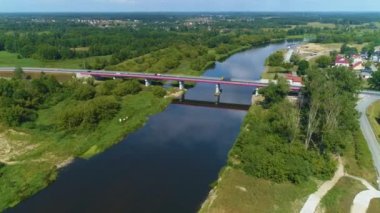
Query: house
[294,80]
[341,61]
[358,66]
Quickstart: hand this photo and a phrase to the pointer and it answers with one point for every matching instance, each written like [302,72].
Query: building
[294,80]
[358,66]
[341,61]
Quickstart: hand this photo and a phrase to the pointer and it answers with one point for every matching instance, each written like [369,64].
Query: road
[367,98]
[288,55]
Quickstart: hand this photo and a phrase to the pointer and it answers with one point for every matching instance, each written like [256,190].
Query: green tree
[323,61]
[84,92]
[18,73]
[276,59]
[303,65]
[275,93]
[374,82]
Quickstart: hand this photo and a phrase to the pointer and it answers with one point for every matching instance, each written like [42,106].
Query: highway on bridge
[152,76]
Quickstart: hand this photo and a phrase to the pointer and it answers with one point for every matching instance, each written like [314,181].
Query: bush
[276,59]
[157,91]
[127,88]
[88,114]
[84,92]
[323,61]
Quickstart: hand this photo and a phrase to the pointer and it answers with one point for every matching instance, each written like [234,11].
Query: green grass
[10,60]
[374,206]
[341,196]
[37,167]
[260,195]
[358,159]
[373,113]
[270,72]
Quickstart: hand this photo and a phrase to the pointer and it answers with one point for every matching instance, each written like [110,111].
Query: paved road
[288,55]
[367,98]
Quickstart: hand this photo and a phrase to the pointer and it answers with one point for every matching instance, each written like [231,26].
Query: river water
[169,164]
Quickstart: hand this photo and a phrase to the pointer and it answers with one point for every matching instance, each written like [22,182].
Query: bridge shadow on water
[210,104]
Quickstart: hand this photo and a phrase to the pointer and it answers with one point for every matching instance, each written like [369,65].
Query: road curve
[368,98]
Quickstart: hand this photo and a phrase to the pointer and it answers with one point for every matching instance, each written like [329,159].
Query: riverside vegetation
[284,147]
[45,124]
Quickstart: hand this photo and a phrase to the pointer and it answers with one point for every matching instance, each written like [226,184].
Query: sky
[186,5]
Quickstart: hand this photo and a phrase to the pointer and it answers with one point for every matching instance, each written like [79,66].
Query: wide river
[169,164]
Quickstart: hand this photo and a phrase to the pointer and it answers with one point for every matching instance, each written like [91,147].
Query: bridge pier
[181,85]
[217,101]
[182,98]
[218,90]
[147,82]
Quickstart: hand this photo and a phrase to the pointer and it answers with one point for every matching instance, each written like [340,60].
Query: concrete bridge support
[218,89]
[181,85]
[217,100]
[147,82]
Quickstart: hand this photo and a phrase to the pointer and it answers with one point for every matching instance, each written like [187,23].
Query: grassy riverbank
[270,168]
[239,192]
[33,153]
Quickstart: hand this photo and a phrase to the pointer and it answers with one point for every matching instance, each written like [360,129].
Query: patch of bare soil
[12,148]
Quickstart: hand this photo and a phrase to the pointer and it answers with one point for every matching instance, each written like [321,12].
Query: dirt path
[314,199]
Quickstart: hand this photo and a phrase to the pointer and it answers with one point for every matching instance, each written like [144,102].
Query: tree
[275,93]
[303,65]
[374,82]
[84,92]
[323,61]
[18,73]
[276,59]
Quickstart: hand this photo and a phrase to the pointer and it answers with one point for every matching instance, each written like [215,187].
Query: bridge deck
[152,76]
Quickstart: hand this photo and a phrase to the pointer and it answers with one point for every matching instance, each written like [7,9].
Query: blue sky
[186,5]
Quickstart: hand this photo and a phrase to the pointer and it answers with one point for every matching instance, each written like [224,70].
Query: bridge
[148,77]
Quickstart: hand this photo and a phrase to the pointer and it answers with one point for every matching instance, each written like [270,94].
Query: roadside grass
[358,159]
[8,59]
[374,206]
[373,113]
[53,146]
[341,196]
[61,77]
[238,192]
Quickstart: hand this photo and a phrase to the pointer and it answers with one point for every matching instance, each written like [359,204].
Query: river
[169,164]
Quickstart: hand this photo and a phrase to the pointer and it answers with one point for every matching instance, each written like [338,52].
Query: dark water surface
[166,166]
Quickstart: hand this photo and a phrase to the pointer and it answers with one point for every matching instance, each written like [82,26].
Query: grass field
[321,25]
[358,159]
[238,192]
[373,114]
[374,206]
[10,60]
[339,199]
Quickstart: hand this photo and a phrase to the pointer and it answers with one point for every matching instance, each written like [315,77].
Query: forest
[169,42]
